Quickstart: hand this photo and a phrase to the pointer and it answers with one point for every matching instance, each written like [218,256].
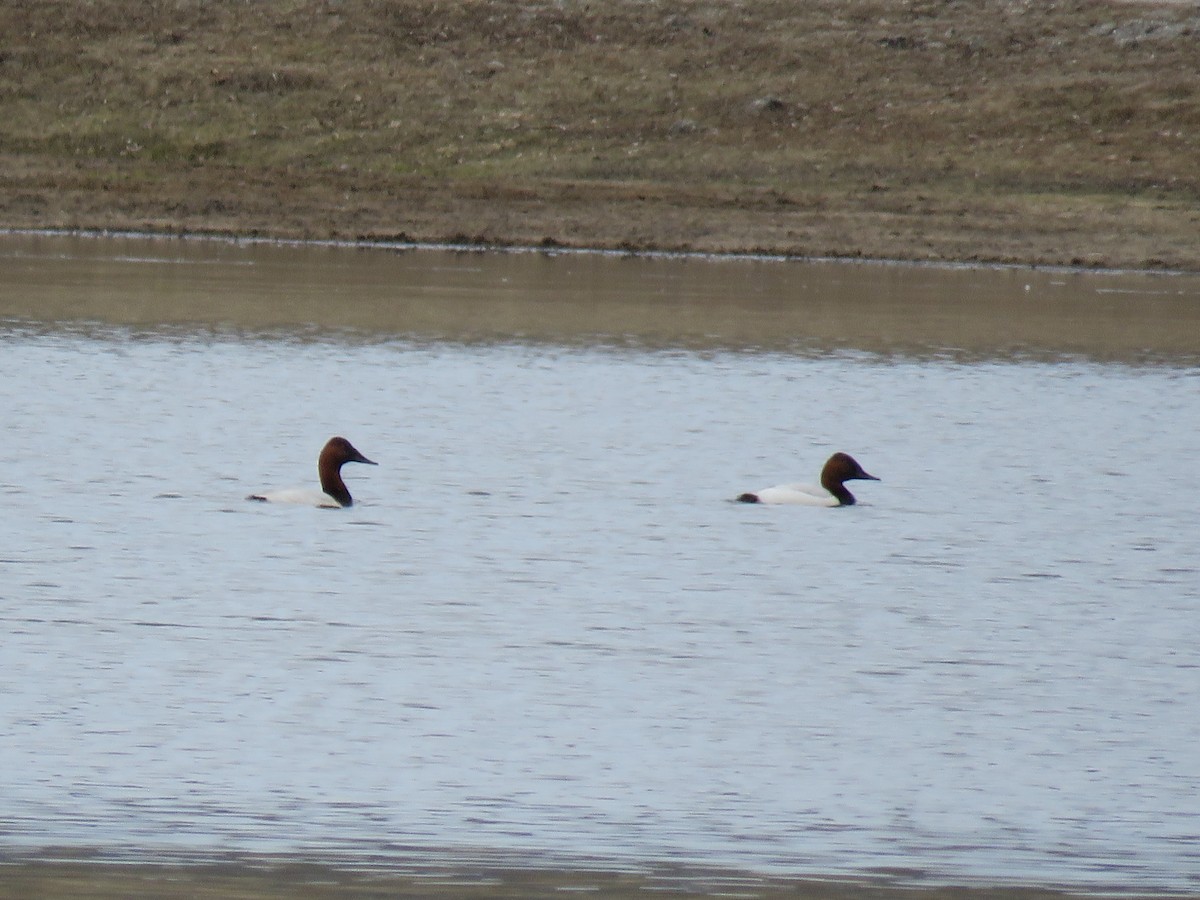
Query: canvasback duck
[333,494]
[840,468]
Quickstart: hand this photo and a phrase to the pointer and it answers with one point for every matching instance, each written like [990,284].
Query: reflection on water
[546,627]
[584,299]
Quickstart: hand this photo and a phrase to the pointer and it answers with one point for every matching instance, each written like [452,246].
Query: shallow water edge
[697,302]
[550,248]
[78,874]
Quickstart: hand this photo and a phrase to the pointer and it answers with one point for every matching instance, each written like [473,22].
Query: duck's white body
[333,494]
[797,494]
[832,491]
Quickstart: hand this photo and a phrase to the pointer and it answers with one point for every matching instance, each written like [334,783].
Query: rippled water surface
[544,625]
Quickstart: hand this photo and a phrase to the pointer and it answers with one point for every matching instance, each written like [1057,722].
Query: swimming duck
[840,468]
[333,494]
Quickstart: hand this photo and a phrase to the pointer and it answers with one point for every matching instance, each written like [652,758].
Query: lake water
[544,627]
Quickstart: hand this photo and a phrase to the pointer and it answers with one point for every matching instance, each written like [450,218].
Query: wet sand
[267,878]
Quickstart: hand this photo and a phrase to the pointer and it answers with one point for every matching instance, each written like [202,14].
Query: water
[544,626]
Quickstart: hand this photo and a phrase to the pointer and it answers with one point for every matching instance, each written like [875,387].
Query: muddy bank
[1062,133]
[268,878]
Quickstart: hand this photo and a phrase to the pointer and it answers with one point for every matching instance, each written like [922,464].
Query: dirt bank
[1056,132]
[276,879]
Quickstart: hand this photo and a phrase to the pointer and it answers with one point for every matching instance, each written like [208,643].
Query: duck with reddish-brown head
[840,468]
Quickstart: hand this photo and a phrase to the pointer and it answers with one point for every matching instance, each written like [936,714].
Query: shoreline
[258,239]
[416,872]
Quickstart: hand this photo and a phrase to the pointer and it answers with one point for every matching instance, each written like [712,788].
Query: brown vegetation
[1065,131]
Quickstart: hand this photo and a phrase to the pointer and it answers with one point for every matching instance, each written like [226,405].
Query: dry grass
[1003,130]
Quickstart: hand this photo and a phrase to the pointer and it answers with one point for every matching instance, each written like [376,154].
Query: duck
[839,468]
[333,494]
